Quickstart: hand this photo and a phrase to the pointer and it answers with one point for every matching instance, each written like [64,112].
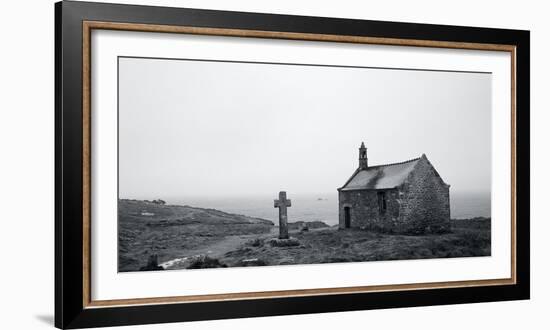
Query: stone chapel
[407,197]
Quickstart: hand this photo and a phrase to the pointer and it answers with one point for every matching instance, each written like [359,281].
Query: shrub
[205,262]
[152,264]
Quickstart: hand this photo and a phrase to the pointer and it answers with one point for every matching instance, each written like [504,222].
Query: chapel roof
[385,176]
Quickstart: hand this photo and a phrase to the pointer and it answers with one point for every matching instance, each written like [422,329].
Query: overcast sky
[196,128]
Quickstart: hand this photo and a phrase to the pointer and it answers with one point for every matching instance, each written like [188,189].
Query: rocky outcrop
[300,225]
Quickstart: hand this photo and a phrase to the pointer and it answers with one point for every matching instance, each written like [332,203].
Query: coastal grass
[169,231]
[469,238]
[206,238]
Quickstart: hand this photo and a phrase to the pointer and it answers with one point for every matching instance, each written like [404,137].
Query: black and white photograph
[245,164]
[275,165]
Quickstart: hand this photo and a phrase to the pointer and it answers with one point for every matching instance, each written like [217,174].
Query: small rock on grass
[255,242]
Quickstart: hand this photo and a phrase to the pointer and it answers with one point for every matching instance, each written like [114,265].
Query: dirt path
[218,249]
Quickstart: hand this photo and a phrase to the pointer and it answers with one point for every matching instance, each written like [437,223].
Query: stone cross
[282,203]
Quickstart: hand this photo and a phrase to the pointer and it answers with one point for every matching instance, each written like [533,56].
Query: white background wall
[27,169]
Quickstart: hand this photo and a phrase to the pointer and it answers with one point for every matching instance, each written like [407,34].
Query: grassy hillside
[190,237]
[147,228]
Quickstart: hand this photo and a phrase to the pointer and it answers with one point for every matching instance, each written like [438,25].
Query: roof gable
[381,177]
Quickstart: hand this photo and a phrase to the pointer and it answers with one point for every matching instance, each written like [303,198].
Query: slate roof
[380,177]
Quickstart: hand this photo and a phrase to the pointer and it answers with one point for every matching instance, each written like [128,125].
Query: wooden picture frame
[74,306]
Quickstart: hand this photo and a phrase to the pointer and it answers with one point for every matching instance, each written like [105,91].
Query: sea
[321,207]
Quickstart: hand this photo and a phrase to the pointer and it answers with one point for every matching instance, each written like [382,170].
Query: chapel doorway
[347,217]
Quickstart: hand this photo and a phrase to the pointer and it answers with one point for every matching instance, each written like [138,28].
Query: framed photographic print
[215,164]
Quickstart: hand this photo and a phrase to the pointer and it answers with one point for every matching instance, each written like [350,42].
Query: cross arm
[279,203]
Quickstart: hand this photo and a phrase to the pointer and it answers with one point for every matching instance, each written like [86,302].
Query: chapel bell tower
[363,160]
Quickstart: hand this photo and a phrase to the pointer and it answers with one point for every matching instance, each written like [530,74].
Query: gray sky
[196,128]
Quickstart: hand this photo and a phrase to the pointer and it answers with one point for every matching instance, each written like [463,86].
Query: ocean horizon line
[316,207]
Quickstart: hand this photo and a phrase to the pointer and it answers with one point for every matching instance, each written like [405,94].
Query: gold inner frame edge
[88,26]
